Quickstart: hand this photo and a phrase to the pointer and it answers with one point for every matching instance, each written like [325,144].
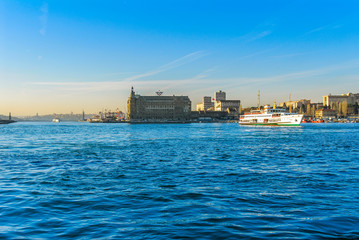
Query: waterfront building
[211,116]
[206,104]
[295,104]
[158,108]
[219,109]
[325,113]
[222,104]
[228,105]
[219,96]
[350,98]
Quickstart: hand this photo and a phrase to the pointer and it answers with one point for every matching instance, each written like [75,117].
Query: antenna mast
[259,100]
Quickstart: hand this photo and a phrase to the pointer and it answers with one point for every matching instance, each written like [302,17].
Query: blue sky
[63,56]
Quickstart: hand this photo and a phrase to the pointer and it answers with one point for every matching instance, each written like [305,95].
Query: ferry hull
[271,124]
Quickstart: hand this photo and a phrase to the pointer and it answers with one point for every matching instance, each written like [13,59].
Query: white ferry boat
[271,117]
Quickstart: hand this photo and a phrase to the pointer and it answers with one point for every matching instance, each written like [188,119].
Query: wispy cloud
[125,83]
[293,54]
[306,75]
[91,87]
[176,63]
[322,28]
[43,18]
[255,54]
[254,36]
[81,86]
[195,80]
[258,36]
[199,84]
[261,31]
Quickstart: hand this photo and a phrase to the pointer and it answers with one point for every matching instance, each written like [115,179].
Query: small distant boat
[56,120]
[306,121]
[318,121]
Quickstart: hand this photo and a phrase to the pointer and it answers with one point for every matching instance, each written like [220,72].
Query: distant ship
[271,117]
[7,121]
[56,120]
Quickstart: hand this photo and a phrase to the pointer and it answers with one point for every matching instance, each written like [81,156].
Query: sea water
[178,181]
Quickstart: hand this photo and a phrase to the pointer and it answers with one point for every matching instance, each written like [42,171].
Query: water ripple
[196,181]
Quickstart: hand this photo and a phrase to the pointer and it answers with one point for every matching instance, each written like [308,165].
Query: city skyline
[85,55]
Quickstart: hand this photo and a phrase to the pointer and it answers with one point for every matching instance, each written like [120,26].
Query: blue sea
[178,181]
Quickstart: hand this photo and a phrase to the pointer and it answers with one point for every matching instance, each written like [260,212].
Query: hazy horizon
[62,57]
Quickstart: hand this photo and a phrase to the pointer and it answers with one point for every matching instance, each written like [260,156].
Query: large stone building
[219,96]
[222,104]
[350,98]
[206,104]
[158,108]
[228,105]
